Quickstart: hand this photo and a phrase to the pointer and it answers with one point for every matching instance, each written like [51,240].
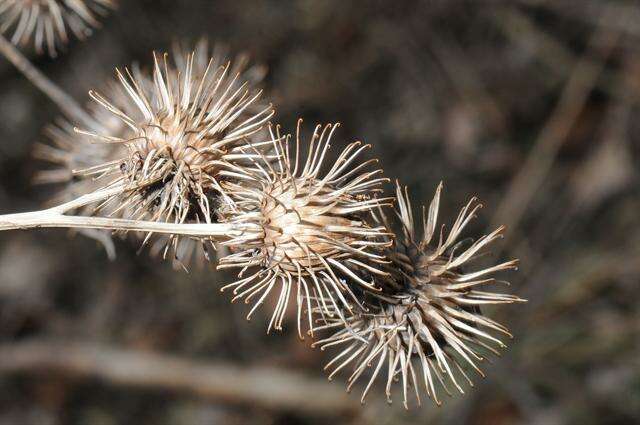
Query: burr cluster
[190,141]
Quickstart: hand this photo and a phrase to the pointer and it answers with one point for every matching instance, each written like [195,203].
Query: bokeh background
[531,105]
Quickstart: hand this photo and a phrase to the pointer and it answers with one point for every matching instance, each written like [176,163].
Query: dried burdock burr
[74,157]
[305,227]
[184,125]
[176,129]
[430,330]
[49,22]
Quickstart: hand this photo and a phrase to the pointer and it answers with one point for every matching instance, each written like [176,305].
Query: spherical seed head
[165,135]
[188,126]
[304,228]
[427,325]
[183,137]
[48,22]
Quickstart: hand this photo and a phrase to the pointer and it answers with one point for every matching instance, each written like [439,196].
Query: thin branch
[65,102]
[51,219]
[55,218]
[252,386]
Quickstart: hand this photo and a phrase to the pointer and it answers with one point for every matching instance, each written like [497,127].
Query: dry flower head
[305,227]
[431,329]
[166,136]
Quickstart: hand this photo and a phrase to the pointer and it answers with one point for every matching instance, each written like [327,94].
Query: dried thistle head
[190,125]
[304,226]
[431,328]
[201,57]
[48,22]
[167,135]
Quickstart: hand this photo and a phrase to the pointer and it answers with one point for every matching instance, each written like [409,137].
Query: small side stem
[65,102]
[55,218]
[50,218]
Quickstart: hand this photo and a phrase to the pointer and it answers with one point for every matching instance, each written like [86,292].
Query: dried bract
[48,22]
[431,329]
[305,227]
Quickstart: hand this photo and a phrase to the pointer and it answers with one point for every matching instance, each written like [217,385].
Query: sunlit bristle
[50,22]
[430,331]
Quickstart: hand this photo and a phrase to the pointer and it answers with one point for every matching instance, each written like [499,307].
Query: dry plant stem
[55,218]
[247,385]
[65,102]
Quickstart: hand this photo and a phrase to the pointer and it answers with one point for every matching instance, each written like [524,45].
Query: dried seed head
[188,126]
[202,57]
[166,135]
[430,329]
[304,226]
[48,22]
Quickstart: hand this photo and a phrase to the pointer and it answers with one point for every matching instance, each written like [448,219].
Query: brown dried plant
[427,326]
[85,161]
[305,226]
[185,155]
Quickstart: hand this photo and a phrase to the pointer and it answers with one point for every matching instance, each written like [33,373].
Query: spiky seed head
[430,329]
[205,55]
[304,226]
[186,129]
[48,22]
[168,134]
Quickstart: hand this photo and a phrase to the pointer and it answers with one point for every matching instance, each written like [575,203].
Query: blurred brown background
[530,105]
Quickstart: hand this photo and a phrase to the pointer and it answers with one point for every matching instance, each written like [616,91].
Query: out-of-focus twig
[551,52]
[263,387]
[543,154]
[65,102]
